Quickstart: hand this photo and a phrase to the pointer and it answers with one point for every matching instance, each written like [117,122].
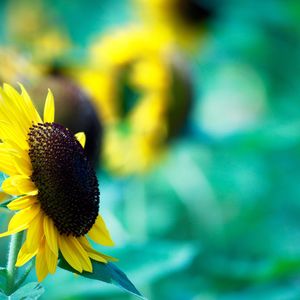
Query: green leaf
[107,273]
[160,259]
[32,290]
[26,272]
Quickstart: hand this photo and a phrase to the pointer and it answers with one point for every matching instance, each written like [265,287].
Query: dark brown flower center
[67,184]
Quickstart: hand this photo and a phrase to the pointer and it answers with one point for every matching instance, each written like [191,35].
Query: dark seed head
[67,184]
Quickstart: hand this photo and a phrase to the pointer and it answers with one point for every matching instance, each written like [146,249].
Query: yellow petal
[35,232]
[24,255]
[41,263]
[97,257]
[81,254]
[10,112]
[93,253]
[5,148]
[81,138]
[11,132]
[23,166]
[7,164]
[15,148]
[68,253]
[51,235]
[23,218]
[18,102]
[34,115]
[49,108]
[13,231]
[100,234]
[19,185]
[51,259]
[22,202]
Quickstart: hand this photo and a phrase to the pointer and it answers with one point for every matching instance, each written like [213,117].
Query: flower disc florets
[67,184]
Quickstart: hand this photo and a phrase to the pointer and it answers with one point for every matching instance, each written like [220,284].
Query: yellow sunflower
[141,91]
[57,189]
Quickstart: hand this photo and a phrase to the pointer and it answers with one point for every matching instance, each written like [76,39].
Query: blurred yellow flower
[132,82]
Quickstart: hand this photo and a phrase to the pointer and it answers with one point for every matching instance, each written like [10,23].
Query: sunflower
[56,187]
[144,93]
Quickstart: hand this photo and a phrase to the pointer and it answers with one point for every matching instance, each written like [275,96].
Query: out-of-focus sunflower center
[67,184]
[127,92]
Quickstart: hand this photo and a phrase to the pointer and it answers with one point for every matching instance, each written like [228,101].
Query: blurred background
[191,111]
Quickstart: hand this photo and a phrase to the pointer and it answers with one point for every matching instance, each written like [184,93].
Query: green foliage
[32,291]
[105,272]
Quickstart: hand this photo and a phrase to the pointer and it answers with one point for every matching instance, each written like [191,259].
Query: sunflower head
[56,187]
[67,185]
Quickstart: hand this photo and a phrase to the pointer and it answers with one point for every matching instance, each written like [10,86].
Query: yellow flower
[57,189]
[136,88]
[126,60]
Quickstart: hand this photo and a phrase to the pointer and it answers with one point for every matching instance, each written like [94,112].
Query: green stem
[14,247]
[24,276]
